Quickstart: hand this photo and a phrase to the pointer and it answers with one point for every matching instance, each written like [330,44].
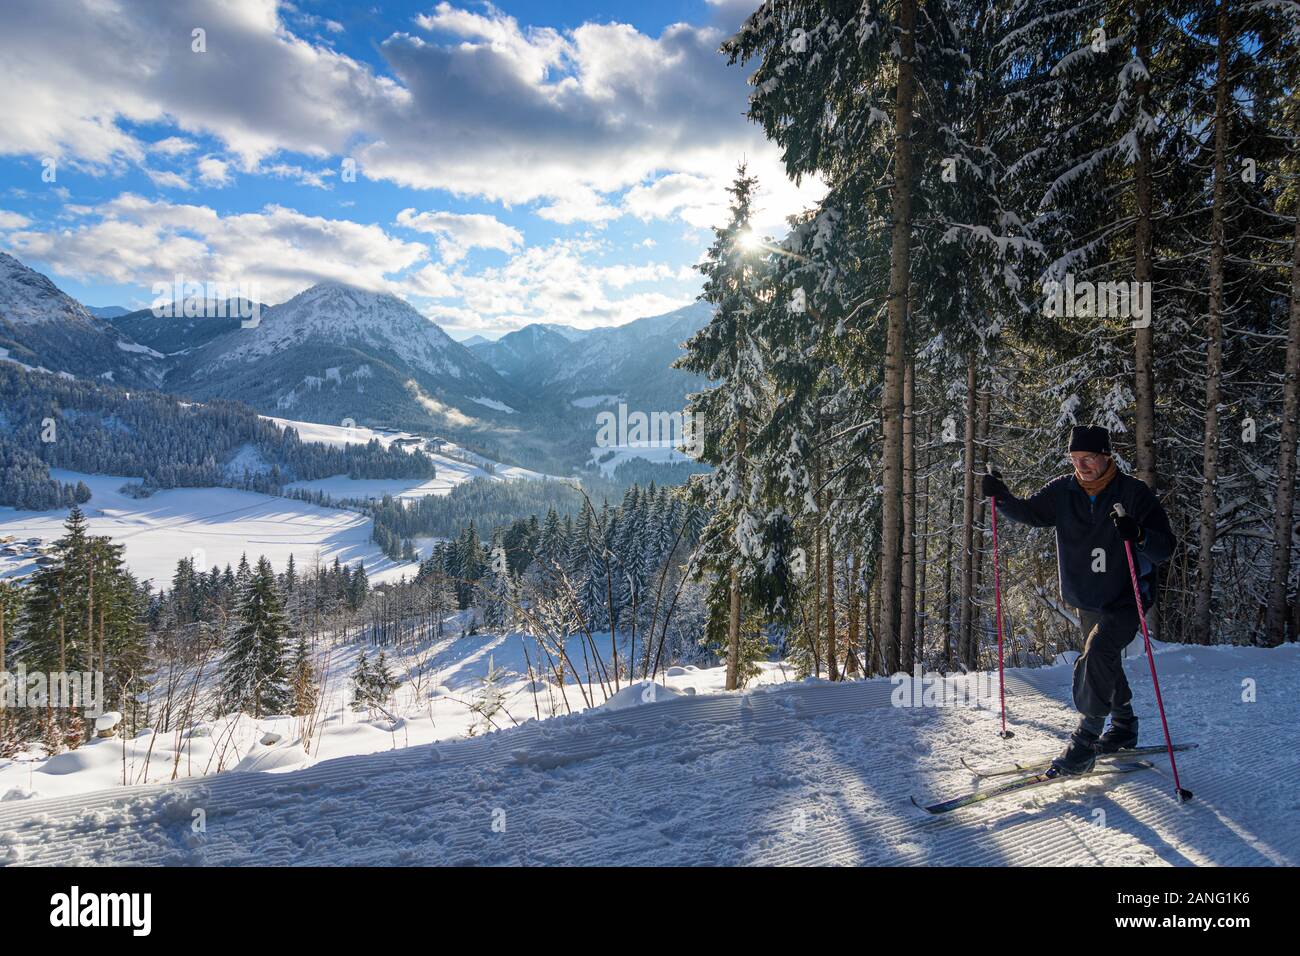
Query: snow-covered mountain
[44,328]
[335,351]
[179,333]
[629,362]
[519,354]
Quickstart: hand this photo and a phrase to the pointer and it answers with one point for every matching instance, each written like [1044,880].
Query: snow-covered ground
[441,683]
[219,524]
[223,523]
[458,470]
[805,773]
[658,452]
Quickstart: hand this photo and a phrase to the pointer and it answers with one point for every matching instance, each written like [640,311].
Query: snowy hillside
[41,327]
[810,773]
[455,464]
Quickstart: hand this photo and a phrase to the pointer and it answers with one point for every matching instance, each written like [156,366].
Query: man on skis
[1094,578]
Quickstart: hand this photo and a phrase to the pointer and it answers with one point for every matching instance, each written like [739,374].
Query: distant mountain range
[106,311]
[335,352]
[629,363]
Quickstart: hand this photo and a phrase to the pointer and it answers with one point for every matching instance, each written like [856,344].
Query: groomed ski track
[805,774]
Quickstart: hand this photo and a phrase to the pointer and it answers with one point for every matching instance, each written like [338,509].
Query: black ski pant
[1100,687]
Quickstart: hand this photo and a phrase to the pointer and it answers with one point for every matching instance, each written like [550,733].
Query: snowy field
[656,452]
[796,773]
[219,524]
[441,683]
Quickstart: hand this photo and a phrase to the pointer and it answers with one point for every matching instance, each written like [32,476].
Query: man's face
[1089,466]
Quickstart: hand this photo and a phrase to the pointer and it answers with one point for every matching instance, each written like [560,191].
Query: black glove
[1127,527]
[991,486]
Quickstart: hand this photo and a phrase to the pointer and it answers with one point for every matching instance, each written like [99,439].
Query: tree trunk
[851,596]
[899,273]
[972,655]
[1144,386]
[1214,349]
[907,636]
[1280,574]
[967,599]
[817,557]
[922,528]
[947,571]
[832,661]
[733,624]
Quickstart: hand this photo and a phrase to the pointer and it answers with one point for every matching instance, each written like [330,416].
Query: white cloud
[213,171]
[579,205]
[12,220]
[457,233]
[166,179]
[307,177]
[472,103]
[557,283]
[173,146]
[136,241]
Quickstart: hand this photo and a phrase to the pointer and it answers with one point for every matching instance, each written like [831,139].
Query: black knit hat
[1092,438]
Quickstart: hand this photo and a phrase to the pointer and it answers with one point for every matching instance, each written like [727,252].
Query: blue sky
[494,165]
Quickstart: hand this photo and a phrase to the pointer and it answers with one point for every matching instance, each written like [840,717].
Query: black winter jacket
[1082,526]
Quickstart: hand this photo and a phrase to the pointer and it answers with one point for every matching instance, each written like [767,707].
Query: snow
[658,452]
[218,525]
[135,347]
[639,695]
[465,466]
[4,357]
[107,720]
[215,525]
[340,313]
[810,773]
[493,403]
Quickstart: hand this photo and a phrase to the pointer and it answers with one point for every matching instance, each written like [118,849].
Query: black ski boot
[1123,732]
[1081,754]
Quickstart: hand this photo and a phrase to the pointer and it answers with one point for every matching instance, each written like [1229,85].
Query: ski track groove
[837,811]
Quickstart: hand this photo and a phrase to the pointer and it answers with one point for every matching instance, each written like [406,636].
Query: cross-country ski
[1031,781]
[1044,763]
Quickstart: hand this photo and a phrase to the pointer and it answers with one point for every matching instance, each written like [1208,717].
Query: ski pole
[997,605]
[1183,795]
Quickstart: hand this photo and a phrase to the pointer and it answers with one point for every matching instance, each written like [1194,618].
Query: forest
[1021,232]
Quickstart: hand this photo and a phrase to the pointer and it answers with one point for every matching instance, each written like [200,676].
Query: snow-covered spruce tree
[735,276]
[84,613]
[303,686]
[255,668]
[440,592]
[362,682]
[589,569]
[552,553]
[497,589]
